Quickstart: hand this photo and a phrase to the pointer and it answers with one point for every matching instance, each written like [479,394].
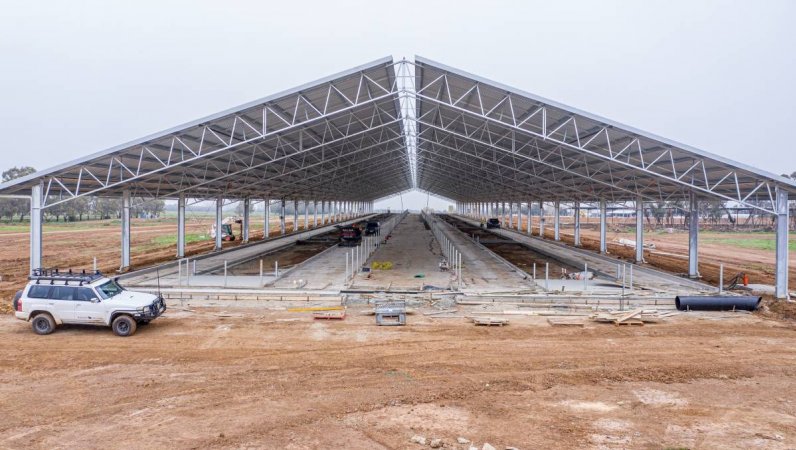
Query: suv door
[62,302]
[86,310]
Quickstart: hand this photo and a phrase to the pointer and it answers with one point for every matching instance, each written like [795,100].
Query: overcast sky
[80,76]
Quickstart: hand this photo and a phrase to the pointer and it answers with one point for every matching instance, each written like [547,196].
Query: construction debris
[632,243]
[329,315]
[634,317]
[489,321]
[444,311]
[391,313]
[582,275]
[566,322]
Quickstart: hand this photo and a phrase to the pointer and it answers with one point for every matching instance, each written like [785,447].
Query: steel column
[267,218]
[246,215]
[639,230]
[603,231]
[36,200]
[125,230]
[282,227]
[181,226]
[306,215]
[529,225]
[693,237]
[541,219]
[295,215]
[783,218]
[577,224]
[315,213]
[557,221]
[219,213]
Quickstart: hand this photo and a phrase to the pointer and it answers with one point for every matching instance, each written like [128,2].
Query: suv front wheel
[43,323]
[123,326]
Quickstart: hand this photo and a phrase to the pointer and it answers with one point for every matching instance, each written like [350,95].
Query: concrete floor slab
[644,278]
[482,270]
[413,251]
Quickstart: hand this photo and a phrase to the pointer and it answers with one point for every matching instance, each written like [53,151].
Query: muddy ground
[249,379]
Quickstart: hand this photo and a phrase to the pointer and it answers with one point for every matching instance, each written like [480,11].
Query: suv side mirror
[95,300]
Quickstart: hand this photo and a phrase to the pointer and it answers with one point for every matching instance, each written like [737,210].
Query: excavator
[226,228]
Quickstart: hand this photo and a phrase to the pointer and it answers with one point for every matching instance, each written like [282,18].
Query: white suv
[52,298]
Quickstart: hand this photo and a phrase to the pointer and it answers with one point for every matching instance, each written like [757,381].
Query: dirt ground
[274,379]
[671,250]
[76,248]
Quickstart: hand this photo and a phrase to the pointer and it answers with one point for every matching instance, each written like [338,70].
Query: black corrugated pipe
[717,303]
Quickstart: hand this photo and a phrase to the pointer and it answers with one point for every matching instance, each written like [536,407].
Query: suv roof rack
[53,275]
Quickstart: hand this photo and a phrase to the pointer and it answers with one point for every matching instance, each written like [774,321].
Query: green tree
[9,207]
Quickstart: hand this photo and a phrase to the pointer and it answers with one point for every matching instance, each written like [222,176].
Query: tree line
[81,208]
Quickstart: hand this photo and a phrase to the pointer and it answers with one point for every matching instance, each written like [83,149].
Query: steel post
[295,216]
[693,237]
[781,277]
[577,224]
[603,225]
[529,225]
[639,230]
[282,227]
[267,218]
[541,219]
[181,226]
[557,221]
[246,215]
[219,213]
[36,200]
[125,230]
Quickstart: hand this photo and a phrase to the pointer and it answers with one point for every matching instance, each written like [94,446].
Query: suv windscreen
[109,289]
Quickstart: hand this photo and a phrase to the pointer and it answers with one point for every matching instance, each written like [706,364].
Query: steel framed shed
[391,126]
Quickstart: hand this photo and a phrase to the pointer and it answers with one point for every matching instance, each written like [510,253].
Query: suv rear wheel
[43,323]
[123,326]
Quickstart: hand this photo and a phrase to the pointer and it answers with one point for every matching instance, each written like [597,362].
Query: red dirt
[671,252]
[75,248]
[196,380]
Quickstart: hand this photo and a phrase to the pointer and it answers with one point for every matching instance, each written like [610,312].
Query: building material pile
[390,313]
[489,321]
[329,315]
[634,317]
[566,322]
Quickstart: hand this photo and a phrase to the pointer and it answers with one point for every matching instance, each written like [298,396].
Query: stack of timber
[634,317]
[489,321]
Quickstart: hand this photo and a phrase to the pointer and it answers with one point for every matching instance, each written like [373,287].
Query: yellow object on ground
[383,265]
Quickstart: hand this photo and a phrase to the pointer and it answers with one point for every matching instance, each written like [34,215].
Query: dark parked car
[371,228]
[493,223]
[350,236]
